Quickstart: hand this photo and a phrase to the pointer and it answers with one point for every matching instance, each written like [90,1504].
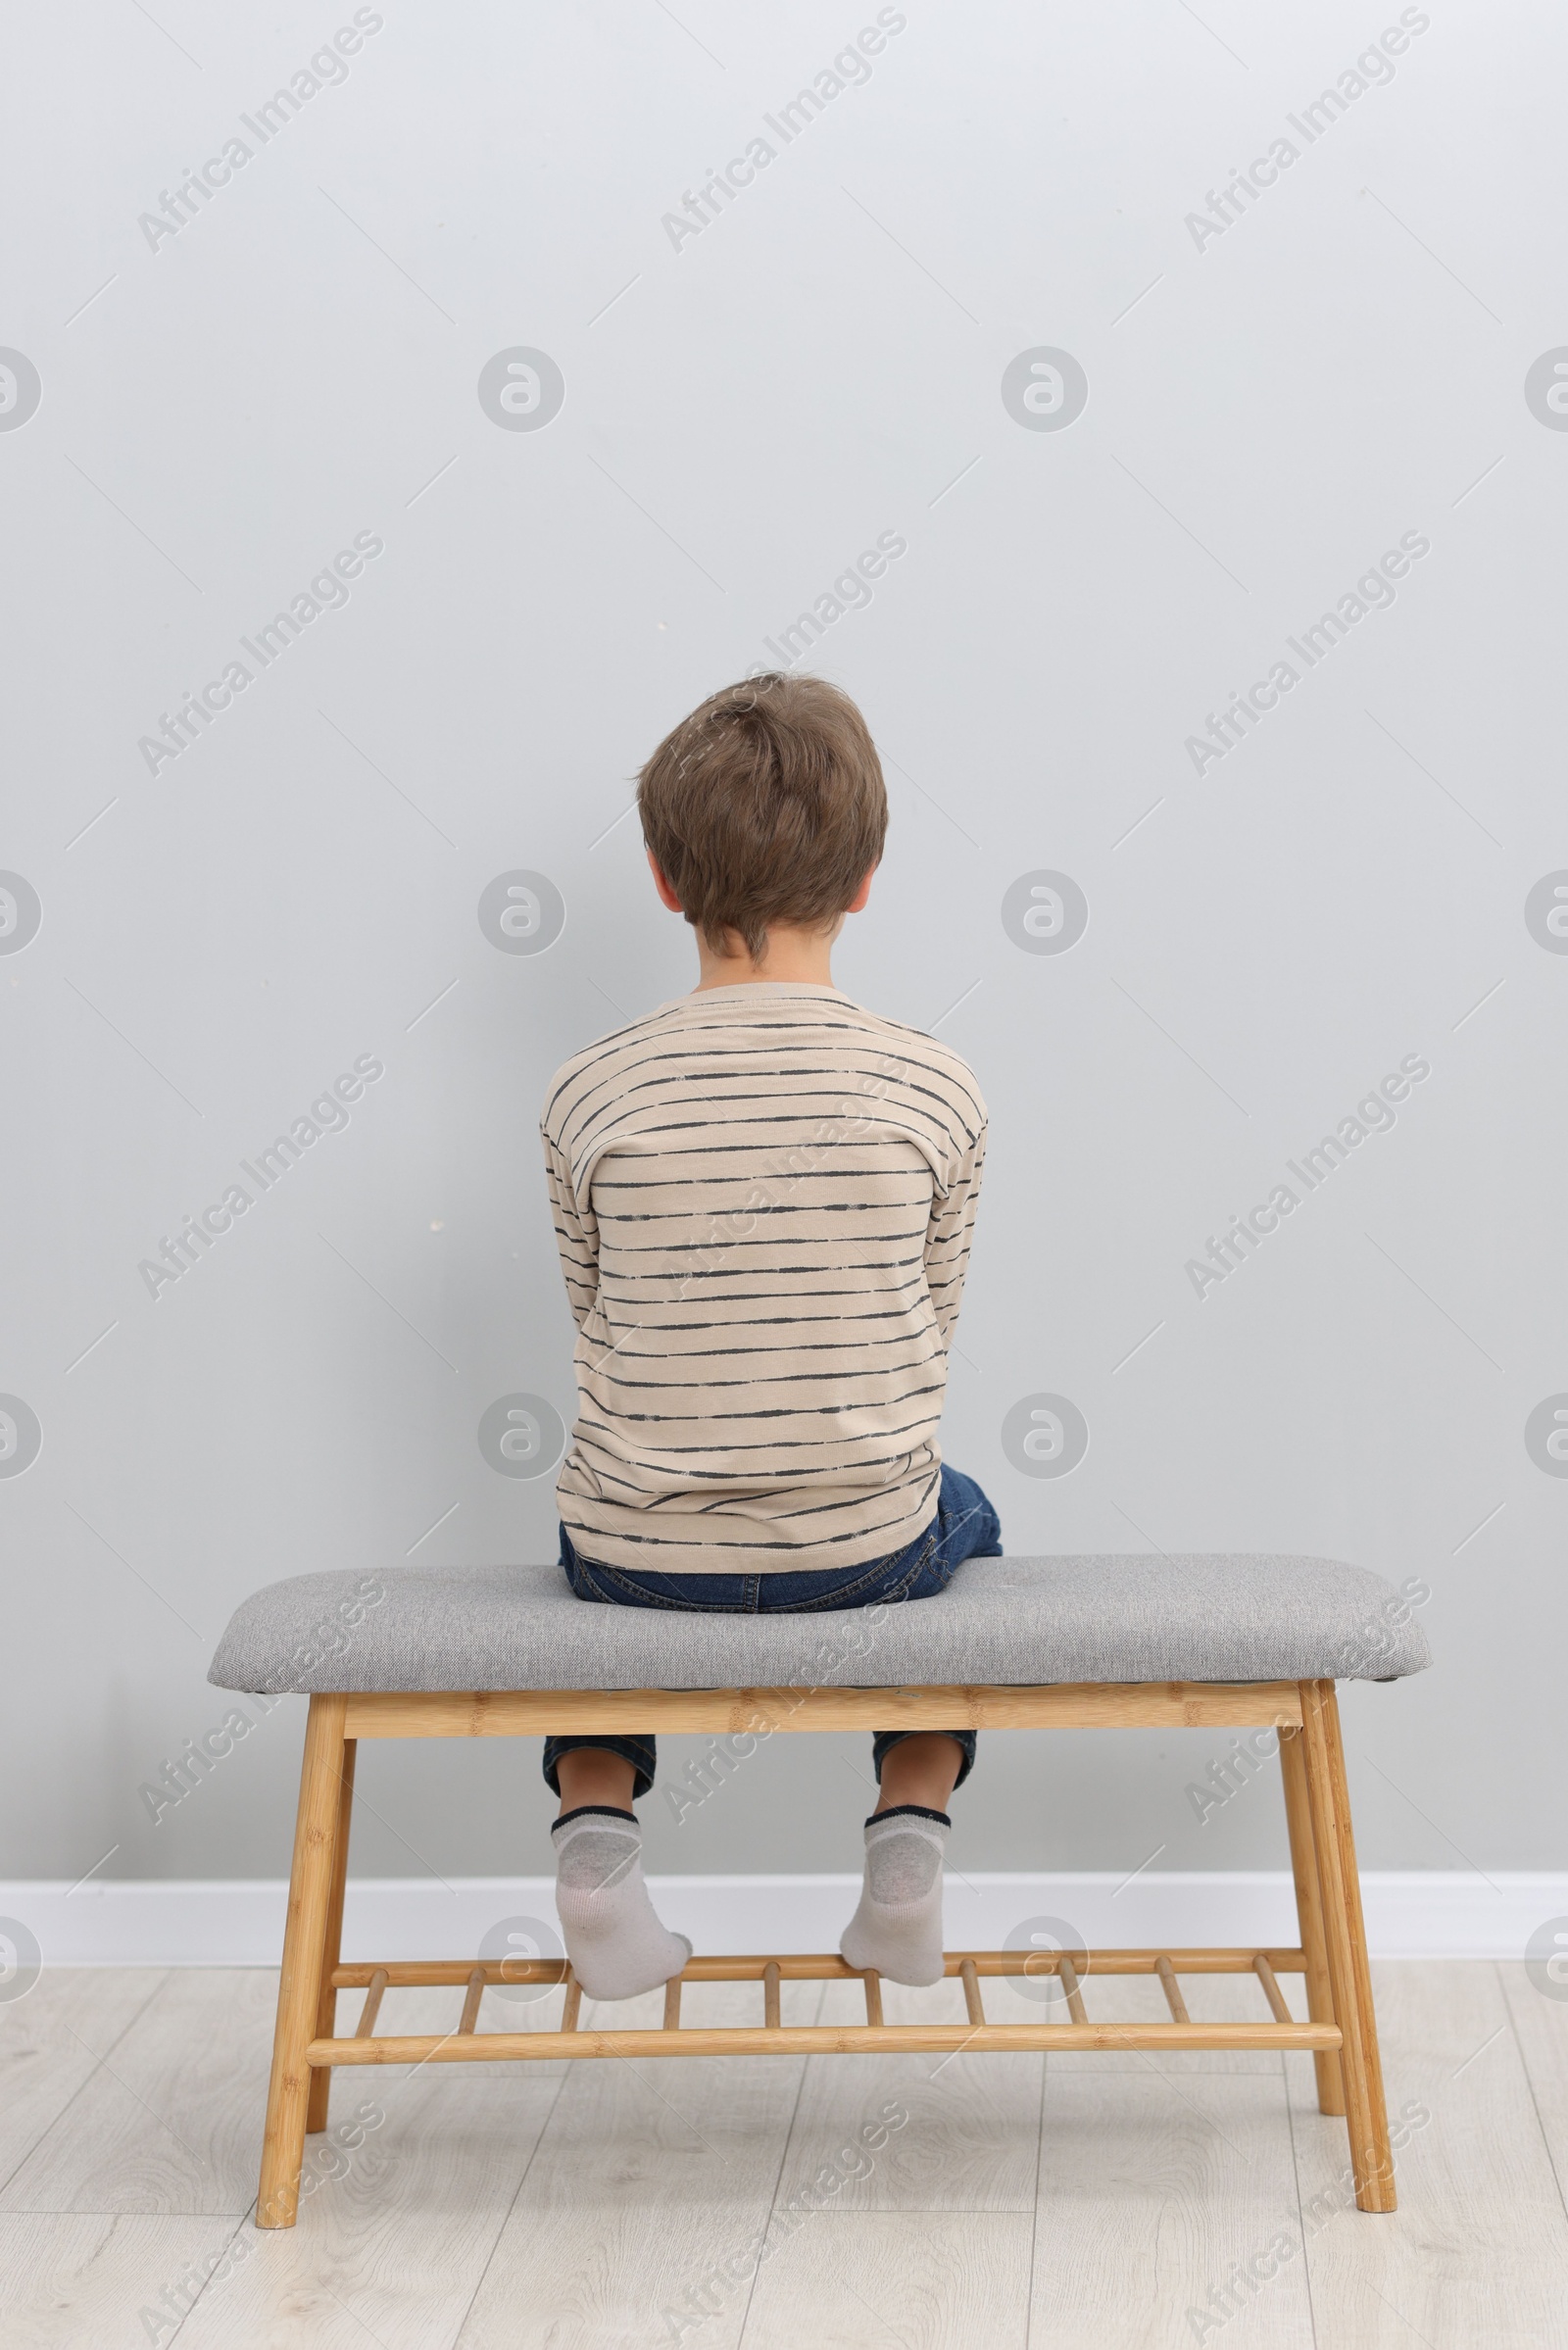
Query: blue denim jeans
[965,1526]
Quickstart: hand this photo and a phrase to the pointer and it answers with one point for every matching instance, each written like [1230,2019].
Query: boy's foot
[898,1926]
[614,1941]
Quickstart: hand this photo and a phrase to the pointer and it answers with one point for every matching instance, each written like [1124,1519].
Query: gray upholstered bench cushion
[1021,1620]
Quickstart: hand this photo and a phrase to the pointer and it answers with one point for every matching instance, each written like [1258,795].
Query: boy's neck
[792,957]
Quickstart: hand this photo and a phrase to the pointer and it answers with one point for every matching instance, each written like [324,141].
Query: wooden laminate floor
[837,2203]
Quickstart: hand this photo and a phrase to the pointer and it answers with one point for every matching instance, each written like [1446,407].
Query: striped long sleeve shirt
[763,1198]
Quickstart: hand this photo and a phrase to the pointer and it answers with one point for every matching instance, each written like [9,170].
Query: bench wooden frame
[1331,1955]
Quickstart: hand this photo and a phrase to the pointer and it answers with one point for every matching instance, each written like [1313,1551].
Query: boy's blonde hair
[765,805]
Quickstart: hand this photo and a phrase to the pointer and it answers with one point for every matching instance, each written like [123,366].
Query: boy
[763,1198]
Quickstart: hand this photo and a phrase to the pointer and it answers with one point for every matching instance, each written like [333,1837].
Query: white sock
[898,1926]
[614,1941]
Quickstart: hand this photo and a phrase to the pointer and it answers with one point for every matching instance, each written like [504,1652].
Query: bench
[1216,1641]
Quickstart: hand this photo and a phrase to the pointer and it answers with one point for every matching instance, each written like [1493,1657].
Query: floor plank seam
[1034,2230]
[505,2220]
[1300,2209]
[778,2179]
[1530,2083]
[64,2211]
[206,2281]
[82,2085]
[927,2211]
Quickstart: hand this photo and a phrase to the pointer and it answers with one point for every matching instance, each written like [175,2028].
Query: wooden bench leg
[299,1991]
[332,1947]
[1345,1939]
[1310,1915]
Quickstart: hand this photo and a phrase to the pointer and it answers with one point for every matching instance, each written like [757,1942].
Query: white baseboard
[202,1923]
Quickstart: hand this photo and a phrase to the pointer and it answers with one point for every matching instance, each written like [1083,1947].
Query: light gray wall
[1269,408]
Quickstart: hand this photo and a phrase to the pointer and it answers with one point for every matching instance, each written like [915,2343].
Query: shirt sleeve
[576,1235]
[948,1234]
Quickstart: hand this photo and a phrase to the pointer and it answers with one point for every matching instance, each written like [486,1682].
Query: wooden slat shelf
[466,2045]
[814,2039]
[823,1966]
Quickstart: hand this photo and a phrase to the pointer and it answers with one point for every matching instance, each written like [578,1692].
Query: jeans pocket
[579,1580]
[918,1572]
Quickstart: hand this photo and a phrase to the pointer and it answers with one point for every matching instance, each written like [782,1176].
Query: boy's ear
[666,895]
[857,903]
